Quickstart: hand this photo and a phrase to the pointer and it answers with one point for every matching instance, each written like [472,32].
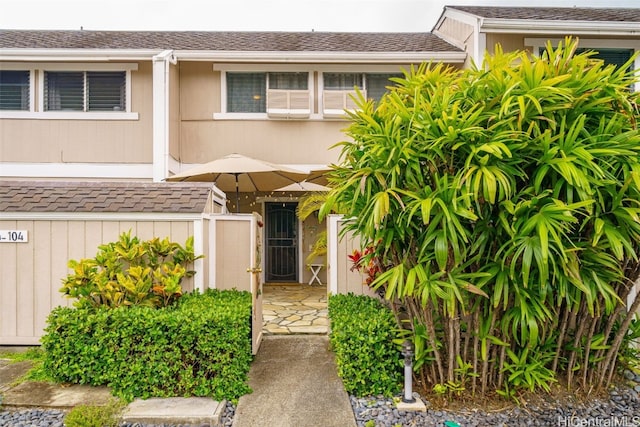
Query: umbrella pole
[237,194]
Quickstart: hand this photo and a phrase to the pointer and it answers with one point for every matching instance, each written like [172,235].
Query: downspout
[480,47]
[161,63]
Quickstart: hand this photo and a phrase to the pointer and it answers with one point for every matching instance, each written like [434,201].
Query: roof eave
[78,54]
[231,56]
[528,26]
[321,57]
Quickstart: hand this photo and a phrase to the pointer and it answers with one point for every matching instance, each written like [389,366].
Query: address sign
[14,236]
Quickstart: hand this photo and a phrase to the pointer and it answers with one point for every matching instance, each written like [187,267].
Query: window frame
[29,94]
[339,113]
[31,110]
[37,102]
[224,114]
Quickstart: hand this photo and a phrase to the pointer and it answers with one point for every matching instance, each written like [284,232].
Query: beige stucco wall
[203,139]
[32,272]
[509,42]
[174,107]
[310,229]
[85,141]
[278,141]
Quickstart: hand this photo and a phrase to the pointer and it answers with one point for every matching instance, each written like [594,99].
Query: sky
[248,15]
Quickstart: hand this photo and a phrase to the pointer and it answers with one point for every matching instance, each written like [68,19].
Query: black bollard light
[407,352]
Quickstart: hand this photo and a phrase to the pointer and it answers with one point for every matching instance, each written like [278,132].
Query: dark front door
[281,242]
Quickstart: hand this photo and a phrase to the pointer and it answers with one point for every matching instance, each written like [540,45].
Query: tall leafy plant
[502,206]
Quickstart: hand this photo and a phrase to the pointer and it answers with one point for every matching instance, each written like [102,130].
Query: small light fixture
[257,97]
[407,352]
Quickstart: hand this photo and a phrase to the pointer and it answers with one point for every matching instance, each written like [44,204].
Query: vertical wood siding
[346,281]
[31,273]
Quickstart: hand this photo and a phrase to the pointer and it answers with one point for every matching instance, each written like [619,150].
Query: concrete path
[295,384]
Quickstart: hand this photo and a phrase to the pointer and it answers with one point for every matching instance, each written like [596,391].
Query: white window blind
[289,81]
[14,90]
[342,81]
[377,85]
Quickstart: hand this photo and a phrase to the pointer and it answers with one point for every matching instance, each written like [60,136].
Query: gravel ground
[622,409]
[54,418]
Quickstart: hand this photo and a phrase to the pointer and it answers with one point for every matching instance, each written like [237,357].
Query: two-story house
[107,110]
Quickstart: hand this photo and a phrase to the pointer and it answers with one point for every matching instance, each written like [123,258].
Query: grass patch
[31,354]
[95,416]
[36,356]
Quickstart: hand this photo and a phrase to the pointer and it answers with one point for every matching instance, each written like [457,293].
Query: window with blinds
[339,91]
[617,57]
[85,91]
[106,91]
[14,90]
[378,84]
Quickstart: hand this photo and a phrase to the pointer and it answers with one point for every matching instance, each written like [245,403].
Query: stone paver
[294,309]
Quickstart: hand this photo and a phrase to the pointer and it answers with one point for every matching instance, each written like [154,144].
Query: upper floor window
[378,84]
[15,90]
[284,93]
[342,81]
[339,90]
[246,92]
[85,91]
[617,57]
[264,92]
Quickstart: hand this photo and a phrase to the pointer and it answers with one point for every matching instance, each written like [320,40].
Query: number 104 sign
[13,236]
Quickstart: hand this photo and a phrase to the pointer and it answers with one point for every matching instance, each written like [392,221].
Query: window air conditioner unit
[292,104]
[335,102]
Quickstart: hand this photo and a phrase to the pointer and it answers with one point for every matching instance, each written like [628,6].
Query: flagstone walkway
[294,309]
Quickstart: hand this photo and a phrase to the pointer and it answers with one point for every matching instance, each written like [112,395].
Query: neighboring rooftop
[225,41]
[554,13]
[54,196]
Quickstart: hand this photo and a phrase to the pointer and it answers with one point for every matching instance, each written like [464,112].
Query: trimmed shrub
[199,347]
[362,335]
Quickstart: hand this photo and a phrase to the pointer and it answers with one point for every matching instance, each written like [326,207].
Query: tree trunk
[609,362]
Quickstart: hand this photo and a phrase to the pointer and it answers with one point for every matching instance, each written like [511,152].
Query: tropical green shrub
[131,272]
[201,346]
[501,205]
[362,337]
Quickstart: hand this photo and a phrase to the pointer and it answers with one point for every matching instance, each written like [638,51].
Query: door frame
[300,232]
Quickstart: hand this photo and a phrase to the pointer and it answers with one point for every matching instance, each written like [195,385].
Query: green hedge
[362,334]
[199,347]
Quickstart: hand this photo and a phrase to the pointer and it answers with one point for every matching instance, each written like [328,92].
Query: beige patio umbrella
[242,174]
[319,176]
[303,186]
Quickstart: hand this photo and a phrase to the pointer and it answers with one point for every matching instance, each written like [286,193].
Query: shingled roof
[554,13]
[225,41]
[129,197]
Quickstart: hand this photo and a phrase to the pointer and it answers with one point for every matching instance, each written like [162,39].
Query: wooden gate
[236,261]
